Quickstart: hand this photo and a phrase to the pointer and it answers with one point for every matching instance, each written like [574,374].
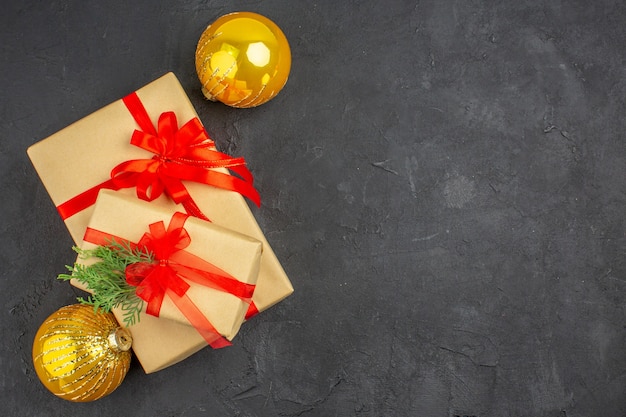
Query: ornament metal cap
[120,340]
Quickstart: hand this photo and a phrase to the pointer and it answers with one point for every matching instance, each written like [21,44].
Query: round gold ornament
[242,59]
[80,355]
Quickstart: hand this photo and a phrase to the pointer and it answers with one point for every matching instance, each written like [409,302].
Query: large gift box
[82,158]
[219,266]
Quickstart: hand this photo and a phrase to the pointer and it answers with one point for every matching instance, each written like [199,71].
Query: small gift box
[194,291]
[135,147]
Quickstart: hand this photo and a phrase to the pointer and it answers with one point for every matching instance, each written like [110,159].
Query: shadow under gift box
[83,154]
[159,342]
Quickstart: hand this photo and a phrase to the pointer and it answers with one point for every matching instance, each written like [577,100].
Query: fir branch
[106,278]
[130,307]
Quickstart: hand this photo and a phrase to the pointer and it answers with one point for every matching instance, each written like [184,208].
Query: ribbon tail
[192,209]
[199,321]
[243,172]
[214,178]
[229,182]
[154,300]
[197,270]
[177,191]
[252,311]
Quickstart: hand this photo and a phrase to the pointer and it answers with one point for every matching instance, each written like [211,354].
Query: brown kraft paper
[83,154]
[159,342]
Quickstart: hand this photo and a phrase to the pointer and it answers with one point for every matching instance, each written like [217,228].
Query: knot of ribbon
[180,154]
[164,276]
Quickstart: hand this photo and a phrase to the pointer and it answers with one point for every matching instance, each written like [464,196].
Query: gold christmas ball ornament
[242,59]
[80,355]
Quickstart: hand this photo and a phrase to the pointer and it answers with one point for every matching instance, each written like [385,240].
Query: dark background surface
[443,181]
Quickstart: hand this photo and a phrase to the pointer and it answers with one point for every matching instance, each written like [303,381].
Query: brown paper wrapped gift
[156,341]
[82,155]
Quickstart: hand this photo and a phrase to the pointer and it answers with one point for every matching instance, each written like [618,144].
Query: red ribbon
[165,276]
[185,154]
[252,311]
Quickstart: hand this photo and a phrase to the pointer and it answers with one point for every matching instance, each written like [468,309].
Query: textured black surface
[444,182]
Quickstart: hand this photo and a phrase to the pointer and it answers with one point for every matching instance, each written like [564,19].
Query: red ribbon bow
[165,276]
[185,154]
[153,280]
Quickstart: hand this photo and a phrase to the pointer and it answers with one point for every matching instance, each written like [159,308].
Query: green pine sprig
[107,280]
